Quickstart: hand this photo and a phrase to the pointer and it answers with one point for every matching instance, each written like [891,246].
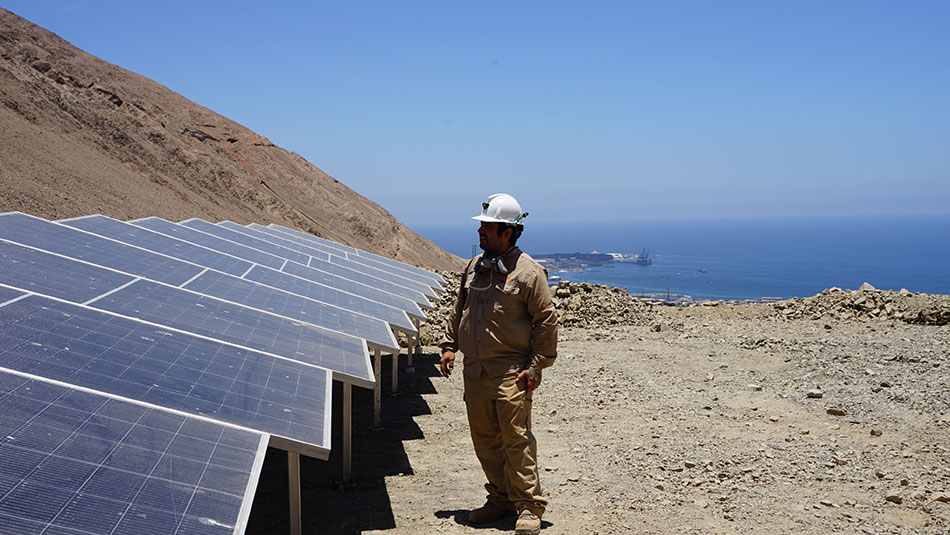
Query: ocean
[743,258]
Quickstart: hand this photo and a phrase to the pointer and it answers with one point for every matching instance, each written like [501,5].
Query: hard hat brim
[489,219]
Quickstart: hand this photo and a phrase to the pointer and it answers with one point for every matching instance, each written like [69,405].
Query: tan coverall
[504,323]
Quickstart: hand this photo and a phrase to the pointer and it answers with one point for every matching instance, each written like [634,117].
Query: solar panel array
[146,365]
[75,461]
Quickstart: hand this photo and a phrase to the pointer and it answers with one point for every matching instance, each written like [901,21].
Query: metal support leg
[293,477]
[410,342]
[396,372]
[418,347]
[347,433]
[378,388]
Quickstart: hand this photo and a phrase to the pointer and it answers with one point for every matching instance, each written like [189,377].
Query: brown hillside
[80,136]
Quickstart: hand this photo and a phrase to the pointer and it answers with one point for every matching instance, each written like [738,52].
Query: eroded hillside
[81,136]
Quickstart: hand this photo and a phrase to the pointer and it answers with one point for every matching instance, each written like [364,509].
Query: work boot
[528,523]
[489,512]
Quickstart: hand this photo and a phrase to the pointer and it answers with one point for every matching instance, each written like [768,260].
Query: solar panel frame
[72,451]
[145,363]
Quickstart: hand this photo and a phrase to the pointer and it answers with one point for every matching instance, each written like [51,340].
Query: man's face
[490,241]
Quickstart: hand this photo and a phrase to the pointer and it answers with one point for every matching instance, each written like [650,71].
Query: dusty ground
[702,426]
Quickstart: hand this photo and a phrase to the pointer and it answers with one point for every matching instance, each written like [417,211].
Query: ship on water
[643,259]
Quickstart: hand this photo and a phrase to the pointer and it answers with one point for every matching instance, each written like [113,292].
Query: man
[505,324]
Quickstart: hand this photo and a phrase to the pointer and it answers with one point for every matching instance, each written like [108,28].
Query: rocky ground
[829,414]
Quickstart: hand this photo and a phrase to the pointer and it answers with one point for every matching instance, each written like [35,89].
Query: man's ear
[507,233]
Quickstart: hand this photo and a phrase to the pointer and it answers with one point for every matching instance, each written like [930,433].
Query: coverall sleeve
[543,322]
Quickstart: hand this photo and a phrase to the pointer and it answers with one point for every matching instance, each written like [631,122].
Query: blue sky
[582,110]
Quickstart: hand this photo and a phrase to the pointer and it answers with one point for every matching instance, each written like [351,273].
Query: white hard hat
[501,208]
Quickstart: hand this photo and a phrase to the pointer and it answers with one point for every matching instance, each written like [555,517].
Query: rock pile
[585,305]
[578,305]
[431,331]
[869,303]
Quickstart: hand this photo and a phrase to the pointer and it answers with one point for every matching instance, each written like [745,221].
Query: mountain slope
[80,135]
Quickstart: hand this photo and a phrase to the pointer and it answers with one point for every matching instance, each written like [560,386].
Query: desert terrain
[829,414]
[804,416]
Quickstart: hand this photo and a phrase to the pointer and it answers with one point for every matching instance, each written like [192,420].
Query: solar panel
[219,285]
[257,232]
[76,462]
[58,277]
[428,280]
[159,243]
[390,308]
[293,240]
[367,287]
[35,232]
[44,273]
[357,276]
[221,232]
[396,267]
[347,249]
[207,240]
[329,285]
[141,362]
[374,330]
[345,355]
[131,234]
[388,276]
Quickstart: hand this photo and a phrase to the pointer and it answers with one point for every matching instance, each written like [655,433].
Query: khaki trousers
[499,417]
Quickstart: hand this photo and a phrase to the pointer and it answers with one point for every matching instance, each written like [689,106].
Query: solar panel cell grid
[237,237]
[297,278]
[207,316]
[347,249]
[317,252]
[318,256]
[60,277]
[357,276]
[367,261]
[77,462]
[6,294]
[225,321]
[159,243]
[67,241]
[193,375]
[230,288]
[206,240]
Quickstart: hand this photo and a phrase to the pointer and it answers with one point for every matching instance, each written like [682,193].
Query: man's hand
[531,376]
[447,364]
